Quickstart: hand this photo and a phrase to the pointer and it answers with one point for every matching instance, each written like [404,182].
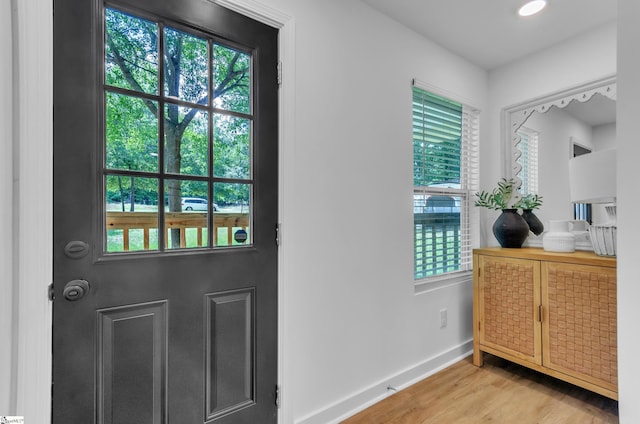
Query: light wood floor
[499,392]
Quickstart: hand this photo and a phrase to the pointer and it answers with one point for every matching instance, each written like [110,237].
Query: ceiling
[490,33]
[599,110]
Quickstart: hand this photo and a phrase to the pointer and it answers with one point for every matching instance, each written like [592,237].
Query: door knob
[75,289]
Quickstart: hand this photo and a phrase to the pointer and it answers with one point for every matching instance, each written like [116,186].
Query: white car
[196,204]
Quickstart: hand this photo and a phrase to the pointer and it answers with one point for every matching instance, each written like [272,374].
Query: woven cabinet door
[509,299]
[579,322]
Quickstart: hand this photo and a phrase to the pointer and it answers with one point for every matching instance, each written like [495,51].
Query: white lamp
[592,179]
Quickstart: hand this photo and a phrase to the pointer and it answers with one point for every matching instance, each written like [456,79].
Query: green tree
[131,133]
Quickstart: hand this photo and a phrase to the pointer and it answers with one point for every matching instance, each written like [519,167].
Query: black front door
[165,206]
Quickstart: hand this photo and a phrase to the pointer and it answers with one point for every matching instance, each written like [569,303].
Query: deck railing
[437,243]
[147,221]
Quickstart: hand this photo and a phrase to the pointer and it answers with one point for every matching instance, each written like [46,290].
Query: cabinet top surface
[541,254]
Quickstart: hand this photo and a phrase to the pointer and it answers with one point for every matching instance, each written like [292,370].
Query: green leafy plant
[530,201]
[502,197]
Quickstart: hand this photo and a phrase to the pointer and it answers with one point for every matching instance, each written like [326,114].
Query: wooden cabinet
[552,312]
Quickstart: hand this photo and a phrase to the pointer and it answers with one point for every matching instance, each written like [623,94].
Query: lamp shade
[592,177]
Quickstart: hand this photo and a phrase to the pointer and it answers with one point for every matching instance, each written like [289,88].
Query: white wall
[604,136]
[354,322]
[573,62]
[628,110]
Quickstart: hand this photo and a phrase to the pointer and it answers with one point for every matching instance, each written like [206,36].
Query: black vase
[510,229]
[535,225]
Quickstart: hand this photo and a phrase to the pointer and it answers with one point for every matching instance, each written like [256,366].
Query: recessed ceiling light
[532,7]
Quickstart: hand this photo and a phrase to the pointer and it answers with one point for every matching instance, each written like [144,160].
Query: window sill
[432,284]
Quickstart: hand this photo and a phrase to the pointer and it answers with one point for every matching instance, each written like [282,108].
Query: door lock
[75,290]
[76,249]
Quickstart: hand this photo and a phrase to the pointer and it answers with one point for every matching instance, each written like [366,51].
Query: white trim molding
[443,282]
[32,57]
[257,11]
[7,283]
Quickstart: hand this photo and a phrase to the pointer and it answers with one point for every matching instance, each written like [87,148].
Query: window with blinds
[445,176]
[528,160]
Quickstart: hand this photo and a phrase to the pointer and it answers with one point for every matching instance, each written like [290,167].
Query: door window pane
[437,234]
[232,79]
[232,147]
[131,133]
[185,67]
[232,223]
[186,141]
[186,214]
[131,205]
[131,52]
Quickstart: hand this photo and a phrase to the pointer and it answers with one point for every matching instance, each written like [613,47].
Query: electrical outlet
[443,318]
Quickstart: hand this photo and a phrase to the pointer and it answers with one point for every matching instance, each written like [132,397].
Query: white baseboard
[359,401]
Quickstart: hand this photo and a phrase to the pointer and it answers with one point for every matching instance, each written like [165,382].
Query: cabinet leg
[478,359]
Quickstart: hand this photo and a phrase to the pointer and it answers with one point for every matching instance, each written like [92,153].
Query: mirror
[565,124]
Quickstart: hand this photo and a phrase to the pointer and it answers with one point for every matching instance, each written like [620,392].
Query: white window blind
[445,170]
[528,160]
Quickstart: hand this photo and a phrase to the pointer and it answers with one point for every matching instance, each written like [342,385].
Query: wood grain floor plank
[499,392]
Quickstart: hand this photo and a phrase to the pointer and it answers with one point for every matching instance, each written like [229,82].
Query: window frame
[469,185]
[531,144]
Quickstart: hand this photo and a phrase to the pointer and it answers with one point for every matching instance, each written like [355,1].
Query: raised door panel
[579,322]
[129,338]
[230,352]
[509,295]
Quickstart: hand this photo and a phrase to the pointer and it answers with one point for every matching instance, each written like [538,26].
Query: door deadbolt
[75,290]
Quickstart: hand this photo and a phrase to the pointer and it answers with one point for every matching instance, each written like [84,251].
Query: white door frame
[29,254]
